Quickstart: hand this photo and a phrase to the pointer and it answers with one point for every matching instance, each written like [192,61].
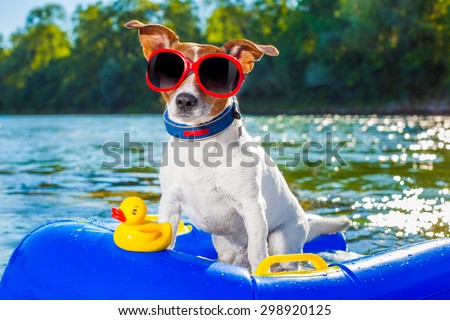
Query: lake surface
[392,176]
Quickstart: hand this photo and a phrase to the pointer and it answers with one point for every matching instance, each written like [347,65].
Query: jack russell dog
[240,198]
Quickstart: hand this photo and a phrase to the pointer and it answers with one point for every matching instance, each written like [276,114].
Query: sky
[14,12]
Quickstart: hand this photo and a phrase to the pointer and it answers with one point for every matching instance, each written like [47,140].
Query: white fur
[249,210]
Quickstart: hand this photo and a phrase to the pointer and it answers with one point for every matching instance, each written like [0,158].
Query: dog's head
[188,103]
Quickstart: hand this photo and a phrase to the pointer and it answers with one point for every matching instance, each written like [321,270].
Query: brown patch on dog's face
[218,107]
[203,107]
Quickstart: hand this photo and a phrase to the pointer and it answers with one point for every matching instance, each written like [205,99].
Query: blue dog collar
[204,130]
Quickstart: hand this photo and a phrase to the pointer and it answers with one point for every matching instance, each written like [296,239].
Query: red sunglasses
[218,74]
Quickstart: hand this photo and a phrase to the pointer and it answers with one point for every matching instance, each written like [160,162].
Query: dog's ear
[153,36]
[248,52]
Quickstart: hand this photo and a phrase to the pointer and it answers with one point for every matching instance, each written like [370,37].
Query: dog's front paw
[344,222]
[285,266]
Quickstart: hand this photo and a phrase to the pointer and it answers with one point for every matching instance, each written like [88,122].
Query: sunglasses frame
[194,66]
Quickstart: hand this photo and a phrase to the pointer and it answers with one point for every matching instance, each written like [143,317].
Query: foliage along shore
[336,56]
[428,108]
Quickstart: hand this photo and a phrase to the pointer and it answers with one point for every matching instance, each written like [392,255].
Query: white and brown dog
[249,209]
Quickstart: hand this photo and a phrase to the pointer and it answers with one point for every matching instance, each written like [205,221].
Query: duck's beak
[118,214]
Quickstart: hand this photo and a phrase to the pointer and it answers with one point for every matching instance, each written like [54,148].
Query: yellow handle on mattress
[263,268]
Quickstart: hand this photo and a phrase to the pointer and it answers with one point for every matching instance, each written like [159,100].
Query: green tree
[49,14]
[3,87]
[402,46]
[228,21]
[269,19]
[332,53]
[182,17]
[3,50]
[109,55]
[40,46]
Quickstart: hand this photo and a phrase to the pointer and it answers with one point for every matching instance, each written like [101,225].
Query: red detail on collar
[196,133]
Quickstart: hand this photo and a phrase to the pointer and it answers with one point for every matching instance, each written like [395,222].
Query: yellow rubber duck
[137,232]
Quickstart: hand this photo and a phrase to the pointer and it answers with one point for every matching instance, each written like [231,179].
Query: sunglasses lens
[165,69]
[219,75]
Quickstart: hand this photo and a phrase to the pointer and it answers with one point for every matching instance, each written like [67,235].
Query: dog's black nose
[186,101]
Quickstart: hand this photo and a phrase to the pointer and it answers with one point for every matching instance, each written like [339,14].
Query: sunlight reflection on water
[409,213]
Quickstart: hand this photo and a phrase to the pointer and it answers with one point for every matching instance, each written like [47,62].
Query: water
[395,185]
